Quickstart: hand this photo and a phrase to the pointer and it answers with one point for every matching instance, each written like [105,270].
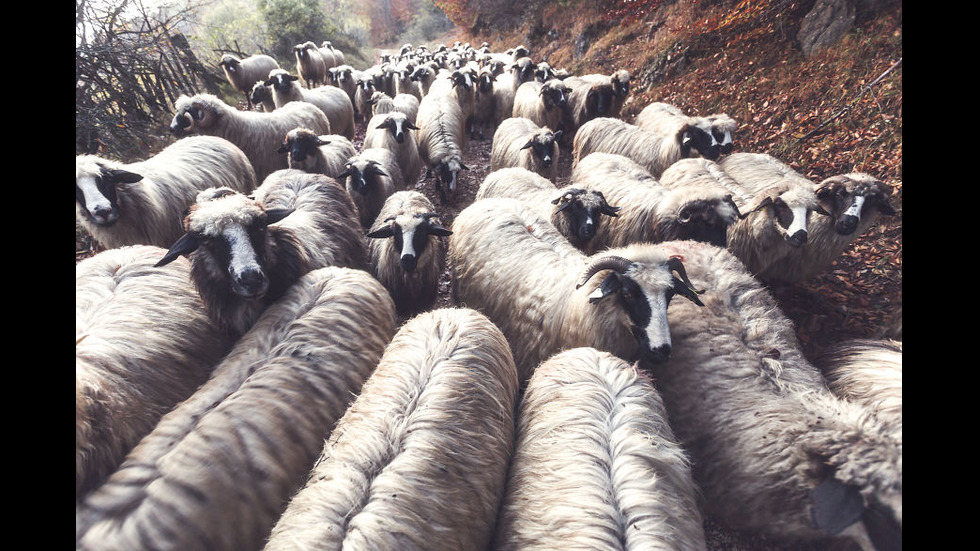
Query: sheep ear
[440,231]
[292,77]
[765,203]
[528,144]
[886,208]
[284,148]
[610,210]
[123,176]
[558,134]
[464,167]
[276,215]
[382,232]
[187,244]
[610,285]
[835,506]
[410,126]
[820,210]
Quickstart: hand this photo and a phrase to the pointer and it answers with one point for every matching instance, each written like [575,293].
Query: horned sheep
[441,139]
[242,74]
[777,203]
[218,470]
[331,100]
[246,251]
[258,135]
[773,449]
[370,177]
[143,202]
[855,201]
[143,343]
[419,461]
[664,119]
[310,64]
[520,142]
[575,213]
[317,154]
[597,468]
[396,133]
[513,265]
[543,103]
[652,151]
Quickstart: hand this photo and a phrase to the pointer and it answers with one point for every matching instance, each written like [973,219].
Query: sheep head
[695,140]
[195,114]
[398,125]
[447,173]
[790,209]
[95,189]
[583,209]
[301,144]
[362,175]
[555,94]
[644,291]
[704,218]
[281,80]
[544,146]
[260,93]
[410,233]
[849,197]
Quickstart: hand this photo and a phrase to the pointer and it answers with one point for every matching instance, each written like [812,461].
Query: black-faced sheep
[773,449]
[310,64]
[396,133]
[246,251]
[405,251]
[366,88]
[242,74]
[520,142]
[664,119]
[424,75]
[143,343]
[543,103]
[218,470]
[258,135]
[589,97]
[381,104]
[317,154]
[650,211]
[441,139]
[345,78]
[338,56]
[597,467]
[513,265]
[621,89]
[652,151]
[144,202]
[776,202]
[855,202]
[370,177]
[483,103]
[505,88]
[331,100]
[261,97]
[575,213]
[419,461]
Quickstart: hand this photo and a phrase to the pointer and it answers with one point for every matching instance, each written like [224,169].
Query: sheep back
[599,466]
[608,135]
[520,142]
[219,469]
[242,74]
[868,372]
[419,460]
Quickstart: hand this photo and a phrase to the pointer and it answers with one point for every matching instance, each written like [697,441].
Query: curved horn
[616,263]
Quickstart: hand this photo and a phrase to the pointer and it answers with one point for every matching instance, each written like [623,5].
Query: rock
[825,24]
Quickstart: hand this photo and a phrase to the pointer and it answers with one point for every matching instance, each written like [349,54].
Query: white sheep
[513,265]
[621,89]
[405,251]
[596,464]
[424,75]
[652,151]
[773,449]
[520,142]
[776,202]
[576,213]
[242,74]
[589,97]
[345,78]
[867,372]
[328,55]
[143,343]
[381,103]
[310,64]
[261,97]
[664,119]
[543,103]
[309,152]
[218,470]
[143,202]
[484,103]
[419,461]
[363,92]
[855,201]
[441,139]
[370,177]
[505,88]
[331,100]
[258,135]
[396,133]
[338,56]
[246,251]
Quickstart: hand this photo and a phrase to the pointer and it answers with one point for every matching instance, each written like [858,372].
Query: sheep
[246,251]
[394,132]
[773,449]
[664,119]
[652,151]
[309,152]
[217,471]
[543,103]
[441,139]
[330,60]
[143,343]
[403,83]
[331,100]
[693,205]
[419,460]
[424,75]
[345,78]
[261,97]
[518,141]
[505,88]
[621,89]
[382,103]
[575,213]
[776,201]
[868,372]
[242,74]
[362,94]
[370,178]
[855,202]
[483,103]
[589,97]
[338,55]
[310,64]
[514,266]
[460,85]
[256,134]
[143,202]
[598,467]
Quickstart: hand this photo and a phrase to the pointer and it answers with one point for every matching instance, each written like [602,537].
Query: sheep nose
[409,262]
[658,355]
[400,137]
[588,230]
[104,214]
[846,225]
[798,239]
[250,283]
[713,153]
